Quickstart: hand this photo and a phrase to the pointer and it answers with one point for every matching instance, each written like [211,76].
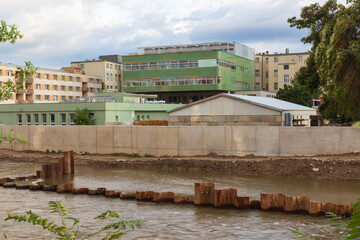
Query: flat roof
[190,45]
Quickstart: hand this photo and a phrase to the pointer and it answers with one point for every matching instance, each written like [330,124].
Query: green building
[187,73]
[106,108]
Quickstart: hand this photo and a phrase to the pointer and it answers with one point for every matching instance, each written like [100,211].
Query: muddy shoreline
[345,167]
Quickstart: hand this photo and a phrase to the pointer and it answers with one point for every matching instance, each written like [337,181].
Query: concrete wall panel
[296,141]
[104,139]
[326,140]
[349,140]
[213,140]
[267,141]
[87,139]
[69,138]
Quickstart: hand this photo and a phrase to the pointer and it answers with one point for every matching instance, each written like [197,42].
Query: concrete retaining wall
[189,140]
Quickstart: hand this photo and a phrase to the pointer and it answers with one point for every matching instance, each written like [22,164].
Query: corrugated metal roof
[272,102]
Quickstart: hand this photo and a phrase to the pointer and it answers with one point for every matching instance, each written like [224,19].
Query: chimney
[287,51]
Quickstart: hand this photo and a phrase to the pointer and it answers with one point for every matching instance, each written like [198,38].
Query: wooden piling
[184,199]
[144,196]
[225,198]
[204,194]
[163,197]
[242,203]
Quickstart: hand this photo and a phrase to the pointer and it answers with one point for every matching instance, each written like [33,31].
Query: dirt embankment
[344,167]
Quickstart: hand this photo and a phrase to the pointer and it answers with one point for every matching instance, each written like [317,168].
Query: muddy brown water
[170,221]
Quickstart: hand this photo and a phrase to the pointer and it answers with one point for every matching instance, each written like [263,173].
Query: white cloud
[57,32]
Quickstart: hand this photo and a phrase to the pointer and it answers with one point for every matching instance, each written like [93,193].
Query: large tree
[335,38]
[294,93]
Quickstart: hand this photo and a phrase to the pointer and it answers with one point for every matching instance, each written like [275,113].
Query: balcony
[85,89]
[21,91]
[31,80]
[30,91]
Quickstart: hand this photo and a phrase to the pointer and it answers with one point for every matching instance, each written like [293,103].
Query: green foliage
[67,231]
[334,34]
[21,76]
[295,94]
[11,138]
[347,228]
[82,117]
[148,155]
[9,33]
[135,155]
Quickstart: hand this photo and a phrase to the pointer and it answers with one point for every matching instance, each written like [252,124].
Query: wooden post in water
[204,194]
[225,198]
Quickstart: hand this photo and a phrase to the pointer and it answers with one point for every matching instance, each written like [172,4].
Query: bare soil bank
[345,167]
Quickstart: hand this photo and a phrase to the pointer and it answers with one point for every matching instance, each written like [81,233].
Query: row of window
[257,60]
[8,72]
[109,76]
[182,64]
[45,119]
[257,72]
[241,84]
[55,87]
[179,81]
[110,66]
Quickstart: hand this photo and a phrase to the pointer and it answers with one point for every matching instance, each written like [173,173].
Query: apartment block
[107,67]
[187,73]
[273,71]
[51,86]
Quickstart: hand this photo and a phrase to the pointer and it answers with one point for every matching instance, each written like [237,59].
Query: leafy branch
[72,232]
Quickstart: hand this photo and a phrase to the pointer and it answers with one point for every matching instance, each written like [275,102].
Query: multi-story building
[187,73]
[273,71]
[107,67]
[50,85]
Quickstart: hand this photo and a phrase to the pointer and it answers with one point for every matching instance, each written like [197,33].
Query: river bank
[345,167]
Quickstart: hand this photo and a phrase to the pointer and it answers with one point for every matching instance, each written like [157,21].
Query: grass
[148,155]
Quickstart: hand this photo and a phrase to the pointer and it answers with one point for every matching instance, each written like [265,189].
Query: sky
[59,32]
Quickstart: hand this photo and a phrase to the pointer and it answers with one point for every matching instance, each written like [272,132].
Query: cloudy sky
[58,32]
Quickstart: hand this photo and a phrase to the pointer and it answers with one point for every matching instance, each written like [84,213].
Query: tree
[9,33]
[334,35]
[83,117]
[295,94]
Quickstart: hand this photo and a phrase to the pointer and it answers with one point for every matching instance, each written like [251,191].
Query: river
[170,221]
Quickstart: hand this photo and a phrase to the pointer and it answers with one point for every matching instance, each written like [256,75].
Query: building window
[55,98]
[300,58]
[37,86]
[77,79]
[46,76]
[116,118]
[47,97]
[63,98]
[275,59]
[110,66]
[107,65]
[257,86]
[63,119]
[70,88]
[78,89]
[36,119]
[44,119]
[91,80]
[286,67]
[19,117]
[275,86]
[54,77]
[107,76]
[275,73]
[28,119]
[267,60]
[52,119]
[62,88]
[286,78]
[257,73]
[257,60]
[82,66]
[97,81]
[267,74]
[38,97]
[62,78]
[111,76]
[37,75]
[70,78]
[47,86]
[71,118]
[54,87]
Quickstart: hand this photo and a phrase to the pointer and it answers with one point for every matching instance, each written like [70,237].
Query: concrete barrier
[189,141]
